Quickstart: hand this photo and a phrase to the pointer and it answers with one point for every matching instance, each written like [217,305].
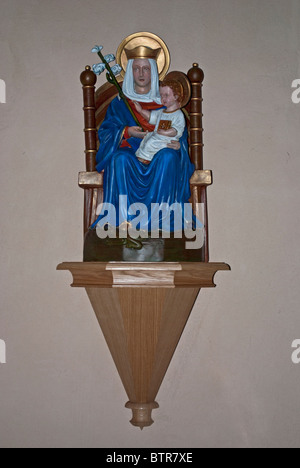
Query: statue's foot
[128,242]
[115,241]
[133,243]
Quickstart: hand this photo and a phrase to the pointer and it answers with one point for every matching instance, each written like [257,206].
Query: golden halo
[185,83]
[149,40]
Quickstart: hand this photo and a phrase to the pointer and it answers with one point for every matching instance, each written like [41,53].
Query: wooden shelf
[142,309]
[143,274]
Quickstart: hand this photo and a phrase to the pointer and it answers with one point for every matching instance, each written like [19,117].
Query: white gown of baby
[153,142]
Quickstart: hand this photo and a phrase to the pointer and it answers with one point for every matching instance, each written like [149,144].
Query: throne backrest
[103,97]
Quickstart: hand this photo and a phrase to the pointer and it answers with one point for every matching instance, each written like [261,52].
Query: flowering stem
[112,79]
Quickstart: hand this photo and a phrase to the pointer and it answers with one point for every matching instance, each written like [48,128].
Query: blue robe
[164,180]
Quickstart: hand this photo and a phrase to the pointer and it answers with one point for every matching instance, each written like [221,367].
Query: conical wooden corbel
[142,309]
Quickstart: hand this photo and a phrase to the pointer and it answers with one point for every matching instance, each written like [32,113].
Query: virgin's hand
[136,132]
[174,144]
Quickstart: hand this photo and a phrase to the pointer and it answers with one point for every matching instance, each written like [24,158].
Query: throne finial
[88,77]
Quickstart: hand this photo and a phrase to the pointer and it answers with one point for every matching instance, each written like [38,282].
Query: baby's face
[167,97]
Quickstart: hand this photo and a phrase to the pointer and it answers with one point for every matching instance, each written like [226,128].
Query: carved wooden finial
[88,77]
[141,413]
[195,74]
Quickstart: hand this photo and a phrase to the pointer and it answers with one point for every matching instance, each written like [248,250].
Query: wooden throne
[142,307]
[95,107]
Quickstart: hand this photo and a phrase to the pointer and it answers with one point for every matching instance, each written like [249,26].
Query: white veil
[128,84]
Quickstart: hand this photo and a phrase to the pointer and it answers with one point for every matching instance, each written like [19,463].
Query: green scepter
[111,76]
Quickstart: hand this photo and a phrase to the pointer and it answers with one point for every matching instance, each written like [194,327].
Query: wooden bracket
[142,309]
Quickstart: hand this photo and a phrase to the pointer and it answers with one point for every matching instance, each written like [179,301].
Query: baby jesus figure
[169,122]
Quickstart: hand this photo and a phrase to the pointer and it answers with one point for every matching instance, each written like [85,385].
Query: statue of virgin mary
[165,180]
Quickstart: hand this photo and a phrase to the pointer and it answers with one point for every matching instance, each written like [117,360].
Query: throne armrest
[201,178]
[90,180]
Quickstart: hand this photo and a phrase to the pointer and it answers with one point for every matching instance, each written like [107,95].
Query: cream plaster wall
[232,382]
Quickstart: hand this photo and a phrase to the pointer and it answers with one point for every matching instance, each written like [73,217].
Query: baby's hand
[137,106]
[170,133]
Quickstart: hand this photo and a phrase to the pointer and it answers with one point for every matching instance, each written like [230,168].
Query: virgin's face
[142,75]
